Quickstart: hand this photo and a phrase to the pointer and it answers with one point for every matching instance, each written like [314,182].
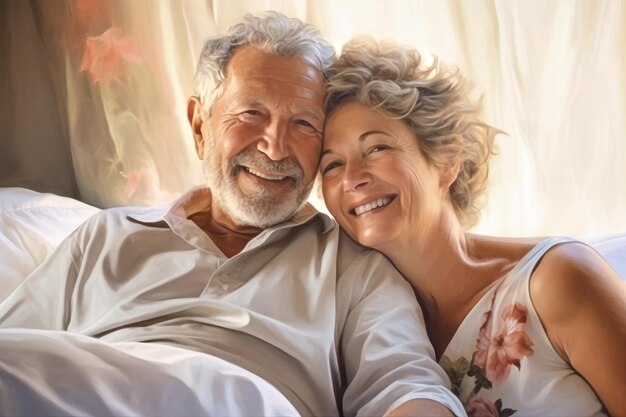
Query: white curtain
[93,96]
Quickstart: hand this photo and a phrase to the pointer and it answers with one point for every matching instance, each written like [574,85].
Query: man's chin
[258,207]
[263,214]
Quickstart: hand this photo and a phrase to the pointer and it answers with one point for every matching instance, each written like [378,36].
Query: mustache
[288,166]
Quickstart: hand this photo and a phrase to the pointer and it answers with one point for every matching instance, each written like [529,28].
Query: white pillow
[613,248]
[32,224]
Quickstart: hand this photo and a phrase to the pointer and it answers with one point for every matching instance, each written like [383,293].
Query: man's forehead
[252,61]
[254,76]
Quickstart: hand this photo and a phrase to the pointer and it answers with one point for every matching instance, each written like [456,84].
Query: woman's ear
[449,174]
[196,119]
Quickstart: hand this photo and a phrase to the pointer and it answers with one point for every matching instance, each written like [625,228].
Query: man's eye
[250,115]
[305,124]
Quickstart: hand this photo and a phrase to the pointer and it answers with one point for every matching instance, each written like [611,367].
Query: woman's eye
[330,166]
[378,148]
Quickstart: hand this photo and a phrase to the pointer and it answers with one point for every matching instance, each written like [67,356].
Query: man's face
[261,144]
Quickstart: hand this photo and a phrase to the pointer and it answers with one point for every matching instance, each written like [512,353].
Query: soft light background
[93,96]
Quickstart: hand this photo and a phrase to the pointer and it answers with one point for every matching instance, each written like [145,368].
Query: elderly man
[281,304]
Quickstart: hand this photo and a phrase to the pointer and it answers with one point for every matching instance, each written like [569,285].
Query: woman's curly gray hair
[271,31]
[432,100]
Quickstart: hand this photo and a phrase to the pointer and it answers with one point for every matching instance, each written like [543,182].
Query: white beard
[262,209]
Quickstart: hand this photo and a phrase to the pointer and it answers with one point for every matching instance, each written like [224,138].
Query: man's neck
[228,237]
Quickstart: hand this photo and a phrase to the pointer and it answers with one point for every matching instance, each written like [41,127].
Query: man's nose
[274,141]
[356,176]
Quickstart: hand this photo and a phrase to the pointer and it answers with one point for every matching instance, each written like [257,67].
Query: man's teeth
[372,205]
[267,177]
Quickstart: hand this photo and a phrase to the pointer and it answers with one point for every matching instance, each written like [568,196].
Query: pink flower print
[483,342]
[105,54]
[496,353]
[478,407]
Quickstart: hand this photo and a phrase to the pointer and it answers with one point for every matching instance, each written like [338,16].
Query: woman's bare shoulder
[581,302]
[572,289]
[573,269]
[511,248]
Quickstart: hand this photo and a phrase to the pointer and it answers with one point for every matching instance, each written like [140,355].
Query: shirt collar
[199,199]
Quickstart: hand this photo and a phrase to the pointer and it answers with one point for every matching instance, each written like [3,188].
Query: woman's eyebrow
[363,136]
[372,132]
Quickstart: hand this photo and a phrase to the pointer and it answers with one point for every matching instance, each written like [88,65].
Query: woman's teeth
[372,205]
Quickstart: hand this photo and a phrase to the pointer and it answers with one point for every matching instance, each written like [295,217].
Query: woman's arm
[421,407]
[581,302]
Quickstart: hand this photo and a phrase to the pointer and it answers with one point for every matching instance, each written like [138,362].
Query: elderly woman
[532,327]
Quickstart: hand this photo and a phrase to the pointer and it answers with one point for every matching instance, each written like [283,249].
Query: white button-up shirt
[330,324]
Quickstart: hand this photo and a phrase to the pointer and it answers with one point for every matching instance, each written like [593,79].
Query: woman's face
[376,181]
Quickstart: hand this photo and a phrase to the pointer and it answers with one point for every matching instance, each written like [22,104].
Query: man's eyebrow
[316,115]
[254,102]
[237,104]
[361,138]
[258,102]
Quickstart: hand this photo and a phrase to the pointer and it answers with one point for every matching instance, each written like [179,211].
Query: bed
[32,225]
[42,372]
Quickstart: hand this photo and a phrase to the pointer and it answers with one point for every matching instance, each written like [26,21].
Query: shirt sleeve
[388,357]
[43,299]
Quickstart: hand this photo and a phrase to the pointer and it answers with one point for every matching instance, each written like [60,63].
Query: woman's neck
[428,260]
[448,272]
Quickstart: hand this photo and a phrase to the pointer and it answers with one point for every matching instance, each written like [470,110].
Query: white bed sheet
[56,373]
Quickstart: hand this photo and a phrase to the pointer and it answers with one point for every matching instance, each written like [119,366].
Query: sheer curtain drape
[93,96]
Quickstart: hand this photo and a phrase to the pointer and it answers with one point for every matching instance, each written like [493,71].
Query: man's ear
[196,119]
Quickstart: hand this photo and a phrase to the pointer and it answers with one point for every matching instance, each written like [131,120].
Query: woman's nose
[355,176]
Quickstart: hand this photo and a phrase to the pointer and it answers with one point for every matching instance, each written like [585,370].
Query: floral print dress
[501,362]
